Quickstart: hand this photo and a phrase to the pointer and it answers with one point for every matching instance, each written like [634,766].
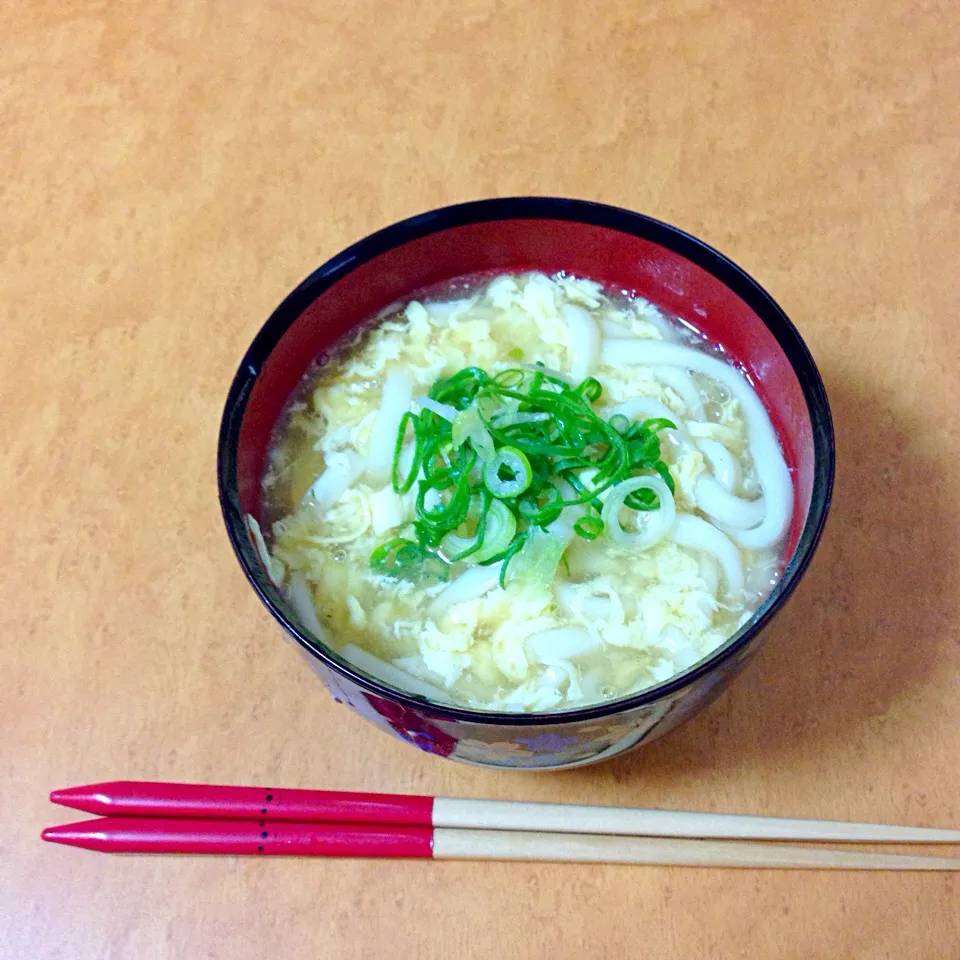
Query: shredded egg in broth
[533,495]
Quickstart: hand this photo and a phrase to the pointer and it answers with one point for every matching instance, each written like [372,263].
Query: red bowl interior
[620,260]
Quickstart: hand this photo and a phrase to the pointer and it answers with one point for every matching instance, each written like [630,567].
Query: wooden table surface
[172,169]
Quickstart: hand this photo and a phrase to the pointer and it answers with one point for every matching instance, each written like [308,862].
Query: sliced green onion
[454,547]
[664,472]
[382,557]
[496,528]
[643,499]
[398,485]
[504,420]
[654,526]
[588,527]
[510,553]
[396,556]
[658,423]
[515,464]
[451,514]
[468,425]
[543,508]
[511,379]
[590,389]
[535,566]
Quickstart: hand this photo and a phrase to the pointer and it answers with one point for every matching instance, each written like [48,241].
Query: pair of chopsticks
[145,817]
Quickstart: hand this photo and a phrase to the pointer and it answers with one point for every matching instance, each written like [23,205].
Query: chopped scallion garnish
[519,439]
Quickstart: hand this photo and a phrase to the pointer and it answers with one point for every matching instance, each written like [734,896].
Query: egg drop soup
[524,493]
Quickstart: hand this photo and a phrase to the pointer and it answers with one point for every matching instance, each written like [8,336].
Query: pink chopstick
[206,801]
[128,798]
[239,837]
[264,838]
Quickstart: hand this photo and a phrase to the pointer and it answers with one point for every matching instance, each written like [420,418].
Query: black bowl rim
[521,208]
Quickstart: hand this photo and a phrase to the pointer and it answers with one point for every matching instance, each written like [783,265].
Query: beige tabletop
[172,169]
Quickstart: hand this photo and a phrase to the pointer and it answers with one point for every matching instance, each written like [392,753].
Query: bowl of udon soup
[526,479]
